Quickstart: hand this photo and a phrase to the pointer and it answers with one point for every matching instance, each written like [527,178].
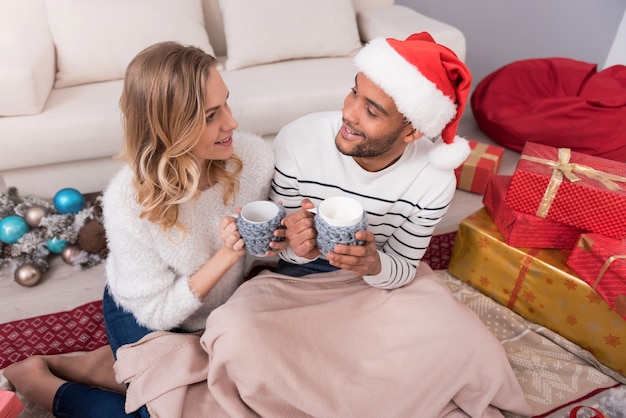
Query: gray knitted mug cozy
[257,236]
[328,235]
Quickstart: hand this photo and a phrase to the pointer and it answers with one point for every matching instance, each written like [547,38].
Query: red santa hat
[429,85]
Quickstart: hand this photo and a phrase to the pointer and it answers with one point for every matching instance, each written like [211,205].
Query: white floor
[64,287]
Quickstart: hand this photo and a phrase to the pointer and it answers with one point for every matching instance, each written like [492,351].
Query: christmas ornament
[69,253]
[91,237]
[45,232]
[35,214]
[12,228]
[68,200]
[56,245]
[27,275]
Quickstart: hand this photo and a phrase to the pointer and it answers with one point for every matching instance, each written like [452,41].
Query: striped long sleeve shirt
[404,202]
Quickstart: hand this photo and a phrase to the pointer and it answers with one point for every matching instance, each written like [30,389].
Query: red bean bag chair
[555,101]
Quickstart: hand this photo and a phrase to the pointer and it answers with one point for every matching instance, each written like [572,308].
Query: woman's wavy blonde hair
[163,113]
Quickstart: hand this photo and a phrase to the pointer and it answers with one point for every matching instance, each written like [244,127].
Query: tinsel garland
[83,232]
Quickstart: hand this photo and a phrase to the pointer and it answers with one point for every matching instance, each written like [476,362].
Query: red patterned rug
[439,251]
[82,328]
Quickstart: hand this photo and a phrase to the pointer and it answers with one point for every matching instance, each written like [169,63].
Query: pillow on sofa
[27,63]
[260,32]
[95,40]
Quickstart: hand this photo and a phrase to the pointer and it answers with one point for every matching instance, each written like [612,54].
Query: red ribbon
[574,412]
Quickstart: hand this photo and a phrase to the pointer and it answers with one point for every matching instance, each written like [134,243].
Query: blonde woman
[175,254]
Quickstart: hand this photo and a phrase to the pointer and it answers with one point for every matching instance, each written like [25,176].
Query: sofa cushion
[260,32]
[215,26]
[78,123]
[360,5]
[263,102]
[95,40]
[399,22]
[27,60]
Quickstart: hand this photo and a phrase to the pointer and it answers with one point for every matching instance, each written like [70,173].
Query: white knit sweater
[148,271]
[404,202]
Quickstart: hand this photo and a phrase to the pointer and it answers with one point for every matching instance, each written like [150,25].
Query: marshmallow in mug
[337,221]
[340,211]
[257,222]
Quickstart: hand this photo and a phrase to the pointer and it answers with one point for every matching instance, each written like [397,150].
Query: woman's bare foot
[33,379]
[39,377]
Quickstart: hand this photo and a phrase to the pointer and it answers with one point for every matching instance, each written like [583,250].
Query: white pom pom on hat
[429,85]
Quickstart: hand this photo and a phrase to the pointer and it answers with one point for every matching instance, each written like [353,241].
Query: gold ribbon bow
[586,244]
[469,167]
[562,167]
[606,266]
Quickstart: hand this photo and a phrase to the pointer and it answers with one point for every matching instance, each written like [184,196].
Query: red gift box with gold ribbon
[522,229]
[484,160]
[577,189]
[601,262]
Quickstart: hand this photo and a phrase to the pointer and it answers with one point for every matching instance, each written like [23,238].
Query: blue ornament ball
[12,228]
[69,200]
[56,245]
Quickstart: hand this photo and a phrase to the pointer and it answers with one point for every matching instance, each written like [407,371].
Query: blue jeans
[121,326]
[298,270]
[82,401]
[73,400]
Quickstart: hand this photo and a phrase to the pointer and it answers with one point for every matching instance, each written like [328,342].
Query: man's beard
[372,147]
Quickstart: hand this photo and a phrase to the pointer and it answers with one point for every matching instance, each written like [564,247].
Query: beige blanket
[327,345]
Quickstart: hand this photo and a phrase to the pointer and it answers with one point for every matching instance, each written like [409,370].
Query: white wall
[502,31]
[617,53]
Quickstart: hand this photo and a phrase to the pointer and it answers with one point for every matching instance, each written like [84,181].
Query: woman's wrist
[229,256]
[205,279]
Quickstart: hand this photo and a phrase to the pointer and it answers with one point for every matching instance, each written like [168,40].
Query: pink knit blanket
[327,345]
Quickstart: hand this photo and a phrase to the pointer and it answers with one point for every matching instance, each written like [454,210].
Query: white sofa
[62,61]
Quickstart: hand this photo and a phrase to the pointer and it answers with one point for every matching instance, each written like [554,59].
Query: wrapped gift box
[484,160]
[10,404]
[601,262]
[521,229]
[580,190]
[538,285]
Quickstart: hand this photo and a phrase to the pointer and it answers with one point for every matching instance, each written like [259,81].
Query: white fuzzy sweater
[148,271]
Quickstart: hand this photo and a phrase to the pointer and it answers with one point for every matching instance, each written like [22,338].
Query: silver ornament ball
[34,215]
[27,275]
[69,252]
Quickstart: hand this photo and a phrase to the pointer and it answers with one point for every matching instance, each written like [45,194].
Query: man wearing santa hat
[393,148]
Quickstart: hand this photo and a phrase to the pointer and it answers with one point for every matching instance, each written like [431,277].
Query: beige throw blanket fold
[327,345]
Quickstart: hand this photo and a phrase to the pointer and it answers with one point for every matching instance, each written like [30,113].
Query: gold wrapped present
[538,285]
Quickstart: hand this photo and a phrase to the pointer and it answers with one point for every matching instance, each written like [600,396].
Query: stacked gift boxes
[551,253]
[483,162]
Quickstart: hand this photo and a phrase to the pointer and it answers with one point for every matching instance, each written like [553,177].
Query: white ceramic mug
[337,221]
[257,222]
